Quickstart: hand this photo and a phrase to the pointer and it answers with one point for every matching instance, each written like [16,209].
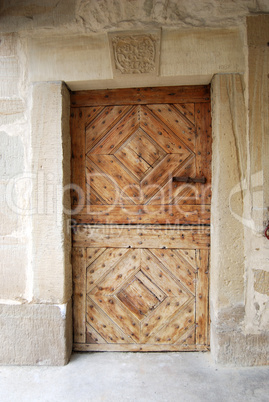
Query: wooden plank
[104,325]
[180,126]
[148,149]
[152,268]
[190,256]
[186,110]
[145,214]
[115,172]
[108,118]
[91,113]
[102,265]
[77,131]
[134,96]
[158,177]
[134,162]
[126,266]
[151,286]
[202,297]
[203,150]
[141,237]
[175,193]
[92,254]
[92,336]
[118,134]
[138,348]
[105,187]
[179,267]
[92,198]
[157,319]
[137,298]
[121,317]
[188,337]
[176,327]
[79,294]
[163,136]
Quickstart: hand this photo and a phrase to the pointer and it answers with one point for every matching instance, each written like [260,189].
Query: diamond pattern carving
[140,262]
[141,295]
[137,156]
[142,154]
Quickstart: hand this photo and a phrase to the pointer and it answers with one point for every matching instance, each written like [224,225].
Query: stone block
[201,52]
[51,172]
[34,334]
[9,88]
[9,67]
[237,349]
[8,45]
[228,168]
[13,271]
[261,284]
[11,106]
[69,58]
[11,155]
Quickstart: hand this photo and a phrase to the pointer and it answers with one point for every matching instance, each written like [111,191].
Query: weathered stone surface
[228,167]
[9,67]
[261,284]
[28,15]
[257,246]
[11,156]
[33,334]
[69,58]
[51,151]
[202,52]
[129,14]
[13,269]
[235,348]
[84,62]
[8,45]
[102,15]
[11,166]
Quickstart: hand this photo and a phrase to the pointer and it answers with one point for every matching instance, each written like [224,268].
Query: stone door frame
[57,286]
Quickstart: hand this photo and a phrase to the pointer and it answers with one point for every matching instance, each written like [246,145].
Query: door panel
[141,295]
[140,276]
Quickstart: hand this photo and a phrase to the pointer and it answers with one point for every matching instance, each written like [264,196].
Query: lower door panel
[140,288]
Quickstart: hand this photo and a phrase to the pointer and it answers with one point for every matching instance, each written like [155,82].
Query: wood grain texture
[149,214]
[202,296]
[180,237]
[140,240]
[143,296]
[128,155]
[77,131]
[134,96]
[185,347]
[79,294]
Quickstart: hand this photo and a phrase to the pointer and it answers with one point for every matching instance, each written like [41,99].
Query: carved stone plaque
[135,53]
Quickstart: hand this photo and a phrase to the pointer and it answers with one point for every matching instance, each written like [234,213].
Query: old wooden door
[141,193]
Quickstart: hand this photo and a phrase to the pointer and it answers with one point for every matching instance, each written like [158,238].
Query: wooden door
[141,174]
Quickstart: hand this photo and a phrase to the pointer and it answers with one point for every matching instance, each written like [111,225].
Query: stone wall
[44,44]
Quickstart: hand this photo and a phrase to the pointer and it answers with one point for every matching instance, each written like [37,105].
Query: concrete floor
[135,377]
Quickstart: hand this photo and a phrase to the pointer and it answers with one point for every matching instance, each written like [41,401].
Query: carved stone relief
[135,53]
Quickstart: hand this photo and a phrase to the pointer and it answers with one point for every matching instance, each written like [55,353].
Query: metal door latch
[186,179]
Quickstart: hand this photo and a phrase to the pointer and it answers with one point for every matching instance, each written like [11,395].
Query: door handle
[187,179]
